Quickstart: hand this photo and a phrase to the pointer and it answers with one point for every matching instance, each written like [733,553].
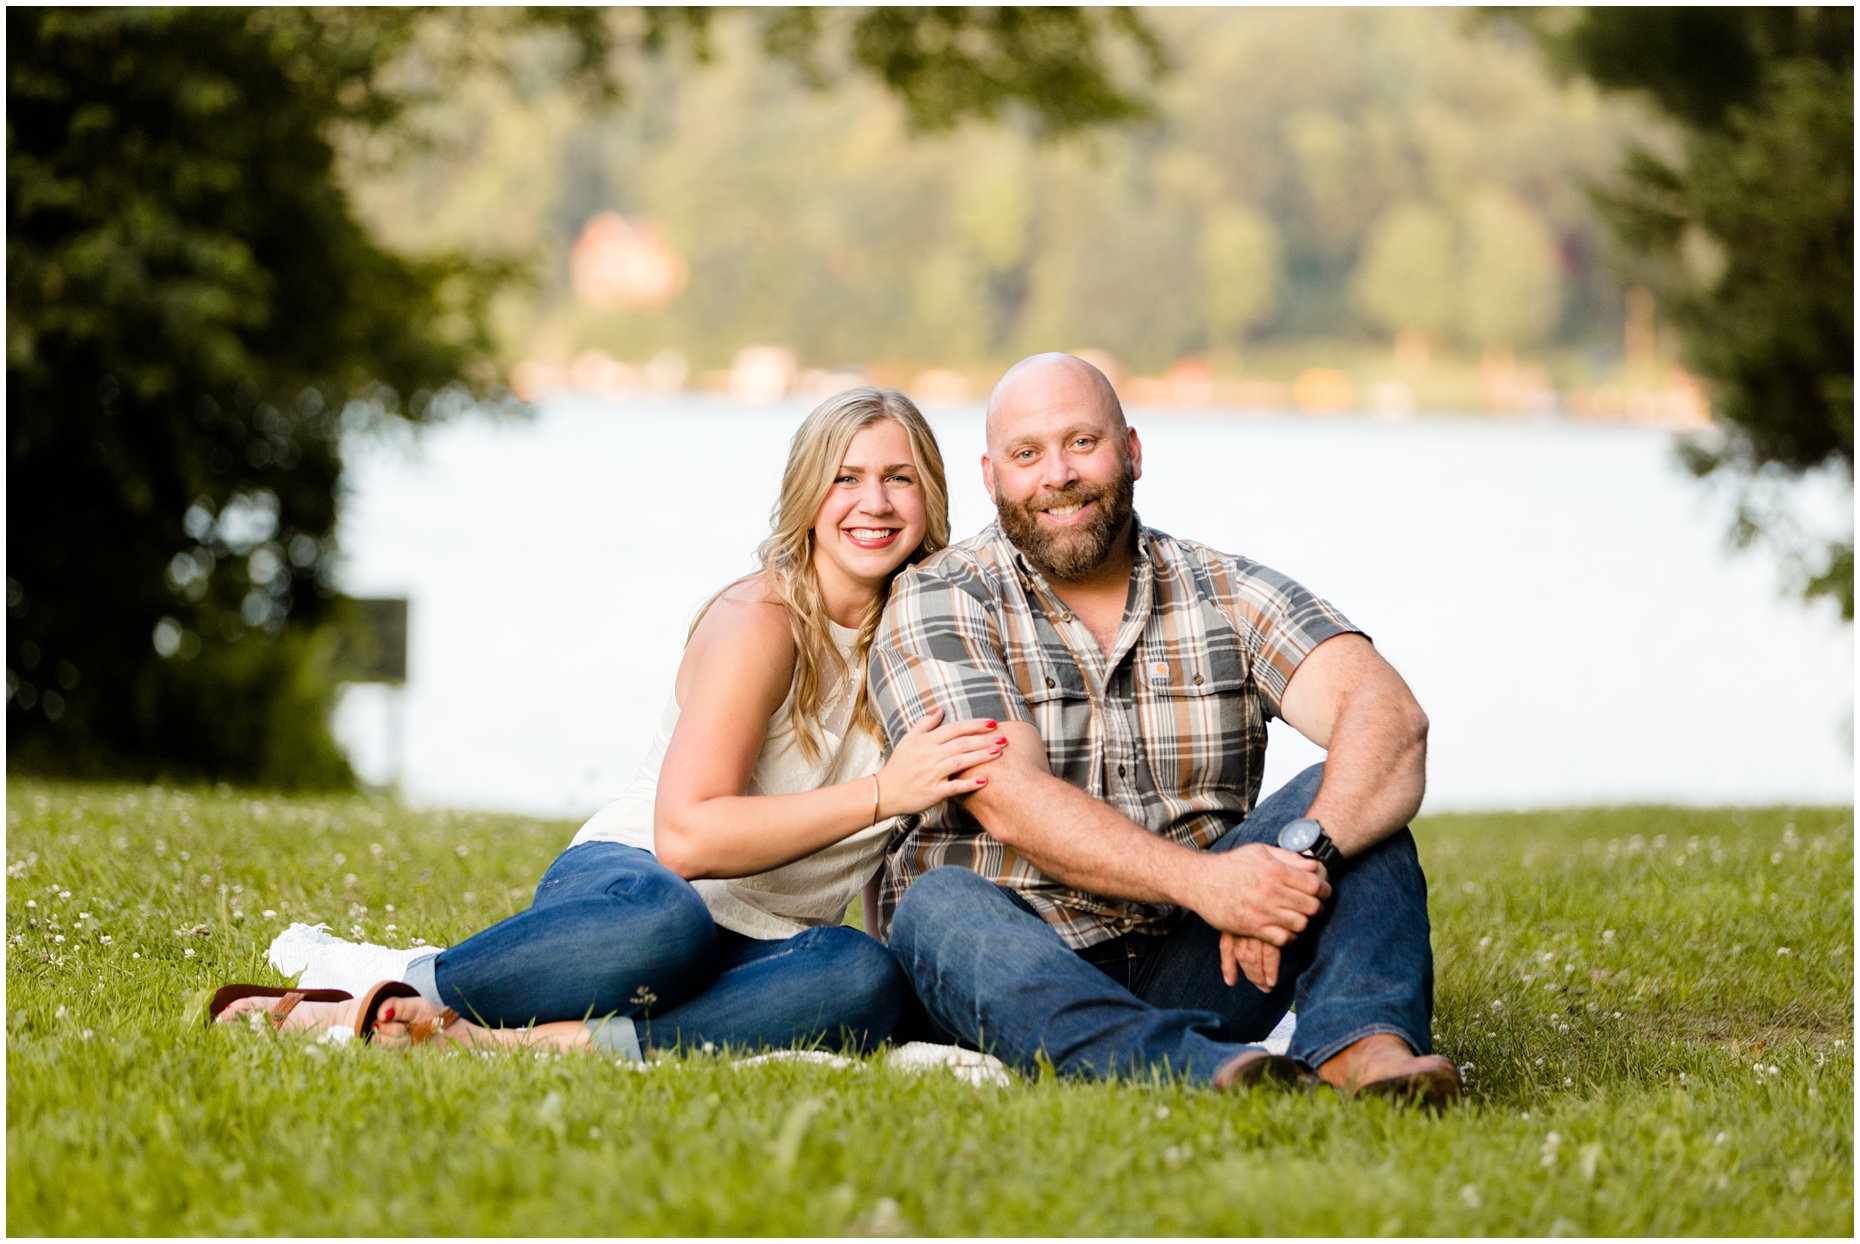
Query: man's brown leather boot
[1259,1067]
[1383,1064]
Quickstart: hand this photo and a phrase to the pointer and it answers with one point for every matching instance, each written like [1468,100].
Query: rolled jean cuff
[616,1034]
[422,975]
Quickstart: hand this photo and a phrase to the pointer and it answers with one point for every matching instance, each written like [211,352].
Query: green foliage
[191,306]
[1405,280]
[1619,1011]
[195,318]
[947,64]
[1509,295]
[1241,269]
[1750,234]
[817,221]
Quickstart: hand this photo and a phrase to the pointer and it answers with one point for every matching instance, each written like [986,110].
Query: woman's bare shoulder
[752,589]
[749,610]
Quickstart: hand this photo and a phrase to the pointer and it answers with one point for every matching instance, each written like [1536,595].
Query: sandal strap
[427,1029]
[286,1005]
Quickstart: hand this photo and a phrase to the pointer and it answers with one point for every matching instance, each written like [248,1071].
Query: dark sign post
[372,648]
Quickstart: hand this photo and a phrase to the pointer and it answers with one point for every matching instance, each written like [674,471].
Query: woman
[704,905]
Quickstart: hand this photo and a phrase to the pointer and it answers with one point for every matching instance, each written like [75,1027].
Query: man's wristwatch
[1306,837]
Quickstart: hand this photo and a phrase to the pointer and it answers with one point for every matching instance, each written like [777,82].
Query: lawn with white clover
[1653,1007]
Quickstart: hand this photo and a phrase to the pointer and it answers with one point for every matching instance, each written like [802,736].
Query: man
[1097,901]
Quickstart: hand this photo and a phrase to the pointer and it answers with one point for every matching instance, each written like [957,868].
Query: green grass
[1614,1005]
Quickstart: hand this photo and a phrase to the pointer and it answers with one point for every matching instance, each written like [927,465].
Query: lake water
[1557,594]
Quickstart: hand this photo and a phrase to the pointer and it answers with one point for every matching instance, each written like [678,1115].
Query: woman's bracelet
[874,799]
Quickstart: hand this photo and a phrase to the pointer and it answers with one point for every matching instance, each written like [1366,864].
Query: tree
[1749,235]
[1240,270]
[190,306]
[1509,284]
[1405,281]
[195,317]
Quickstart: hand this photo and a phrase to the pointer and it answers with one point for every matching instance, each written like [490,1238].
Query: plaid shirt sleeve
[1280,621]
[939,646]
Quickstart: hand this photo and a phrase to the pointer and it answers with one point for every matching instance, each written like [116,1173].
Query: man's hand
[1259,892]
[1256,957]
[1258,960]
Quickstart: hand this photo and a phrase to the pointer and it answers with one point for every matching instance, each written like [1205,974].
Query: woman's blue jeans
[613,932]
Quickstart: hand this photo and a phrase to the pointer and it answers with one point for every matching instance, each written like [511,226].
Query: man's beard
[1069,554]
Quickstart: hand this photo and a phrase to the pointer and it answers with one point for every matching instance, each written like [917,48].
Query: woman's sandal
[419,1031]
[226,995]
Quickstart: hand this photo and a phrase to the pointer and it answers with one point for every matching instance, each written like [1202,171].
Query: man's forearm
[1082,841]
[1376,769]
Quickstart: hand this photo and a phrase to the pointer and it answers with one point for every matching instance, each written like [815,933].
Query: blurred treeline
[237,237]
[1310,179]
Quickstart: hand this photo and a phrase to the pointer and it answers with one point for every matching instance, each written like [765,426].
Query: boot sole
[1276,1070]
[1433,1089]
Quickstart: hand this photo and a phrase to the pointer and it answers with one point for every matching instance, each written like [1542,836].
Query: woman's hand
[919,774]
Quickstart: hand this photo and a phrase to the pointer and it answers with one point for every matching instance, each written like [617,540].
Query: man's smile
[1068,515]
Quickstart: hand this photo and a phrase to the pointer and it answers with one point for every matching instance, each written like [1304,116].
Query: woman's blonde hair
[787,555]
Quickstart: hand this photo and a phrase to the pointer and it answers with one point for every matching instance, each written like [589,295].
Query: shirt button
[1197,680]
[1120,771]
[1065,617]
[1049,682]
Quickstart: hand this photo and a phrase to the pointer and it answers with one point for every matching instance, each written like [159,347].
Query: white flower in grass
[58,937]
[1469,1197]
[270,914]
[189,952]
[61,1013]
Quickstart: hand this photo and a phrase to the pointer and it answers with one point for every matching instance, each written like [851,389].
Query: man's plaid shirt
[1171,731]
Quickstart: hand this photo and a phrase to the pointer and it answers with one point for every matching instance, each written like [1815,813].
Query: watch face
[1300,834]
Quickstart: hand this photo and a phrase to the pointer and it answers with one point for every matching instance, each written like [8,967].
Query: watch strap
[1325,852]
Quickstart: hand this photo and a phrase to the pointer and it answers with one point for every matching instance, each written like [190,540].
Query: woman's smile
[870,537]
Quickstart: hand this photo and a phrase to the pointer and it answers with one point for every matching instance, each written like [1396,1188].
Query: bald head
[1060,465]
[1044,383]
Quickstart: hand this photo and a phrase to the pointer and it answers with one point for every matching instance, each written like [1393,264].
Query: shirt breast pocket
[1201,715]
[1061,709]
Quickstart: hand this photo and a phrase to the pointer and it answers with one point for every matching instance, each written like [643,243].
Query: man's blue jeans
[614,932]
[992,974]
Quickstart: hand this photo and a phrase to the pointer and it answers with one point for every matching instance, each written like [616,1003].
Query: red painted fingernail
[981,781]
[991,725]
[996,752]
[1001,739]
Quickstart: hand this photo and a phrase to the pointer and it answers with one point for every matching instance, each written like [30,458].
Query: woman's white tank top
[813,890]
